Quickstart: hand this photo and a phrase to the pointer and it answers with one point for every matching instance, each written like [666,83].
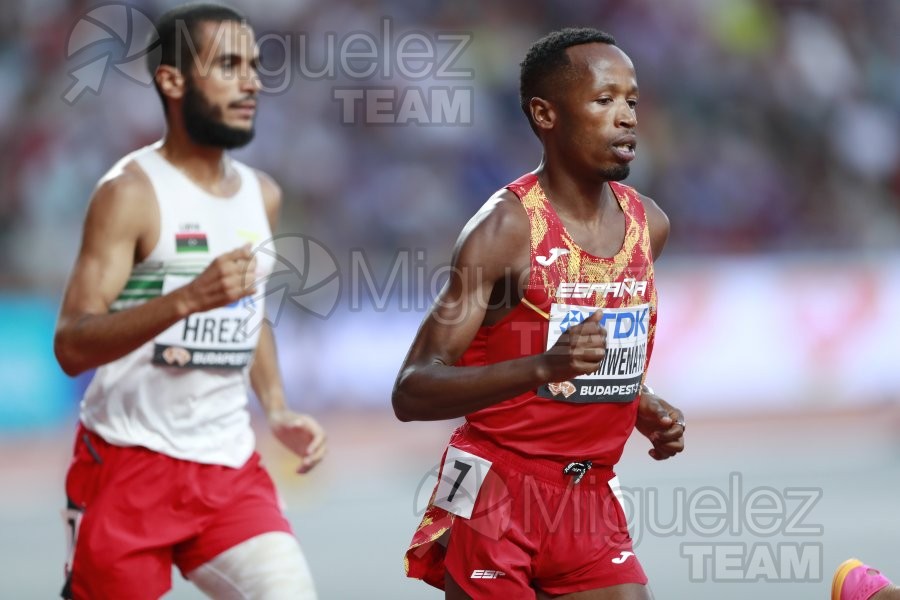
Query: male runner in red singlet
[164,469]
[541,340]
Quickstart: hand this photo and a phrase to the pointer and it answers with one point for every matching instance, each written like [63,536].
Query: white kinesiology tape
[270,566]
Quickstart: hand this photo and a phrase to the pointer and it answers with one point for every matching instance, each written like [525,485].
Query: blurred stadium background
[770,133]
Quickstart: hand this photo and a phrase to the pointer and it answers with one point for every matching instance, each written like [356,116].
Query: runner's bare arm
[657,419]
[300,433]
[265,377]
[121,217]
[493,244]
[658,224]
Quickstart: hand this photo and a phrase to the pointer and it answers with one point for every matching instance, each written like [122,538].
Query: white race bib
[460,481]
[72,523]
[618,379]
[224,337]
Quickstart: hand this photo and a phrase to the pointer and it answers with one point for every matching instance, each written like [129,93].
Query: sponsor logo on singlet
[555,253]
[619,375]
[615,289]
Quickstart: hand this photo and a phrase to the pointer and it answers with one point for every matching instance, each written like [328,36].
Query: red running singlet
[589,417]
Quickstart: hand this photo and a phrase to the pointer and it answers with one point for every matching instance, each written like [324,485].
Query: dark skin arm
[659,421]
[492,250]
[658,224]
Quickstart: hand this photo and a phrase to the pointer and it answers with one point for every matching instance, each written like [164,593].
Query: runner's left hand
[662,424]
[301,434]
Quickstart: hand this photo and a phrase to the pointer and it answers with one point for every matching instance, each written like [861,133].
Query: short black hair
[546,61]
[166,49]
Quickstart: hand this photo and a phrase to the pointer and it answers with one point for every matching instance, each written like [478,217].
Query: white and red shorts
[134,513]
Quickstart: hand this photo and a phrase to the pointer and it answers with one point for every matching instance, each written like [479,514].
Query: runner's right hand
[228,277]
[578,351]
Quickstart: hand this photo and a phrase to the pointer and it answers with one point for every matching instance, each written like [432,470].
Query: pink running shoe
[856,581]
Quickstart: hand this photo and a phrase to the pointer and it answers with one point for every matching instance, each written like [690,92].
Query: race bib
[72,523]
[223,338]
[461,478]
[618,379]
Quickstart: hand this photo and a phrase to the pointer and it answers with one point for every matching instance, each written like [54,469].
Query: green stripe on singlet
[144,284]
[147,284]
[169,270]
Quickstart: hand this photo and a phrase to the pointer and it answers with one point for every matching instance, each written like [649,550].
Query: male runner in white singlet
[162,303]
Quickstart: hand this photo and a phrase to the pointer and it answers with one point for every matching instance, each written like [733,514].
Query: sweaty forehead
[602,64]
[216,38]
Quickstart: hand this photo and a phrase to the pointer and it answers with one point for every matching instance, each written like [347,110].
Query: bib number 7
[461,478]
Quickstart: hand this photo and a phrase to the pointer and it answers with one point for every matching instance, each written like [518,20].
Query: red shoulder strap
[521,186]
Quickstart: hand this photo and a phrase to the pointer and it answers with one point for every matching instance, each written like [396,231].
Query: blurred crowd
[764,125]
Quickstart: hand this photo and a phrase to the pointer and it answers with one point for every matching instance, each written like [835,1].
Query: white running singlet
[184,393]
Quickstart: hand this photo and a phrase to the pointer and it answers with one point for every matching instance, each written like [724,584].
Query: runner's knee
[270,566]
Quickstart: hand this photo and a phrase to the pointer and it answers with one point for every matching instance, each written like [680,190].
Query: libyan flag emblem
[191,242]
